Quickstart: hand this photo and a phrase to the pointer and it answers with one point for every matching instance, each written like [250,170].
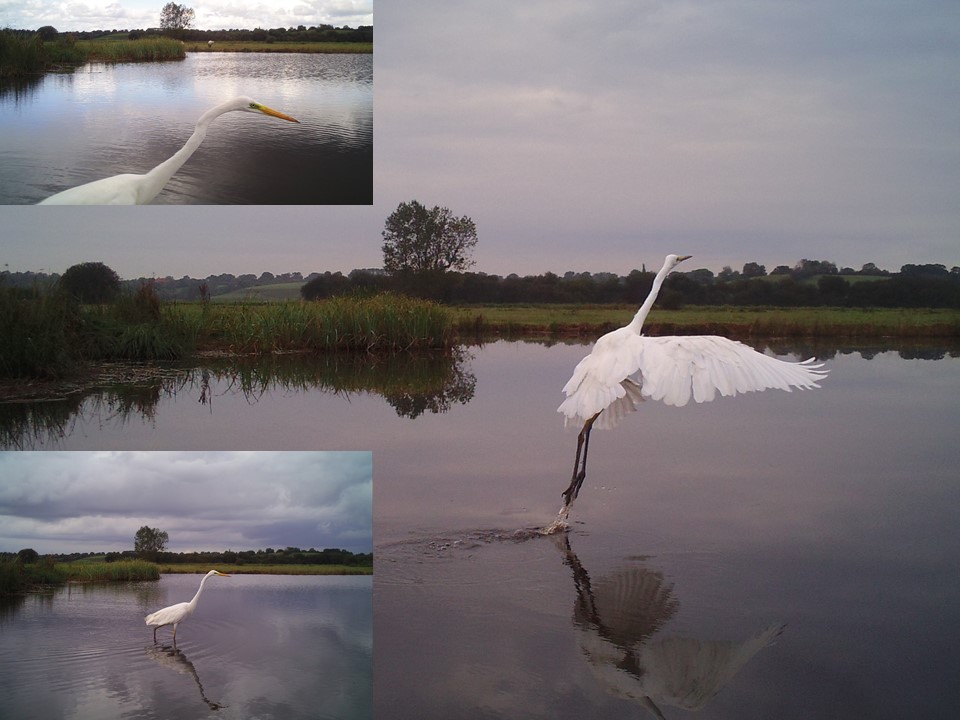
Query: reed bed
[19,577]
[24,55]
[16,577]
[122,570]
[382,323]
[37,331]
[143,50]
[20,56]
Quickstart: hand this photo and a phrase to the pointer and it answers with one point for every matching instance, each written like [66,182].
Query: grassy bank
[730,321]
[46,334]
[280,47]
[254,569]
[25,55]
[18,577]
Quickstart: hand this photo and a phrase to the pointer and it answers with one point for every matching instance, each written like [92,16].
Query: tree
[752,269]
[148,542]
[48,33]
[28,556]
[90,282]
[176,17]
[418,240]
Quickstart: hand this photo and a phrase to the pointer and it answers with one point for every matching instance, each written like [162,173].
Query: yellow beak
[684,257]
[277,114]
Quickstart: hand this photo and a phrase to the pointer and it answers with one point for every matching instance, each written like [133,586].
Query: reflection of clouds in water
[617,617]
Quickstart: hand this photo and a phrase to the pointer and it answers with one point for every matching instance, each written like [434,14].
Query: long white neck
[637,323]
[161,174]
[193,603]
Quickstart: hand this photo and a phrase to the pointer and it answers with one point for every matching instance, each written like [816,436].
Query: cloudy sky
[96,501]
[208,14]
[601,136]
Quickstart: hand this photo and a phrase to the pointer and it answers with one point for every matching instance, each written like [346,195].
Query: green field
[254,569]
[279,47]
[591,319]
[736,321]
[276,292]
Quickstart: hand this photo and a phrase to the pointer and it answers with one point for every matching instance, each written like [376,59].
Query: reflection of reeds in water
[412,383]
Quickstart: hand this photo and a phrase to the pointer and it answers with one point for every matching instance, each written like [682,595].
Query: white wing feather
[673,369]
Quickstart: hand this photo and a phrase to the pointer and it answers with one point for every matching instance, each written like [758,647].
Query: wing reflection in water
[412,383]
[617,618]
[174,659]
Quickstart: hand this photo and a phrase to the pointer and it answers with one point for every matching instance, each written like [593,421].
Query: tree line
[913,286]
[267,556]
[807,283]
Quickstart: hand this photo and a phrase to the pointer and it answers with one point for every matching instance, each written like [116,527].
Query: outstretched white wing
[673,369]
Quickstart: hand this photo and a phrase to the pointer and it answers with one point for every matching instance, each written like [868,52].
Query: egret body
[131,189]
[625,367]
[176,614]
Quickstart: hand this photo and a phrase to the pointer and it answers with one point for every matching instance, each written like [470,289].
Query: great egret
[130,189]
[176,614]
[626,367]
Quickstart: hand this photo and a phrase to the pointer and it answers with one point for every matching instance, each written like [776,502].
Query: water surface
[103,120]
[257,646]
[798,550]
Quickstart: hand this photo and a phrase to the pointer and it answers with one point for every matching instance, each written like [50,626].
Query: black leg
[579,467]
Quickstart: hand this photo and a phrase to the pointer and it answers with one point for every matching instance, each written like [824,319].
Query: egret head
[674,260]
[250,105]
[217,572]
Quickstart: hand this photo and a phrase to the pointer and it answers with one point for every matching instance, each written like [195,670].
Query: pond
[770,555]
[102,120]
[259,646]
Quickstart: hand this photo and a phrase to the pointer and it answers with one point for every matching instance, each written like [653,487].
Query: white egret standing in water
[626,367]
[130,189]
[176,614]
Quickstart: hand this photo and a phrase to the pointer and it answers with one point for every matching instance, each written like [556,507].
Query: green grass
[254,569]
[735,321]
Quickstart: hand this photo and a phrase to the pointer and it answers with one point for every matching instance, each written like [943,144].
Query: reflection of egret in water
[170,657]
[618,616]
